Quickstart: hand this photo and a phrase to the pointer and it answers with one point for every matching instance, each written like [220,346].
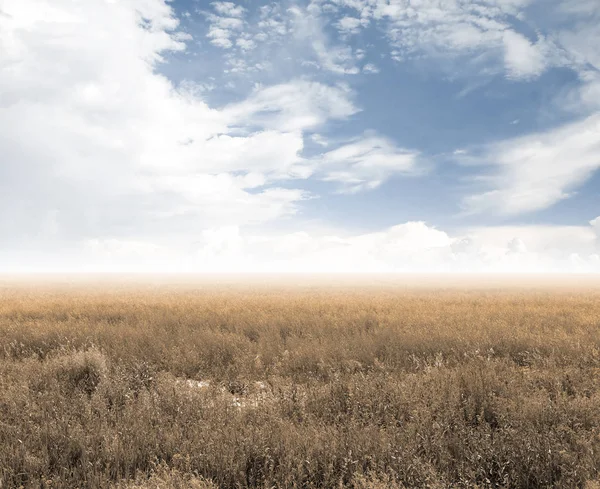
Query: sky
[300,136]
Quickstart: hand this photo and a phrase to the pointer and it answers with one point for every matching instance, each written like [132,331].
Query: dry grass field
[265,384]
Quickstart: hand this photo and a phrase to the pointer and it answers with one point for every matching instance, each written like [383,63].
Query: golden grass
[158,384]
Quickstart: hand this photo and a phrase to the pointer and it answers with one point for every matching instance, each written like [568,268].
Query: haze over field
[303,136]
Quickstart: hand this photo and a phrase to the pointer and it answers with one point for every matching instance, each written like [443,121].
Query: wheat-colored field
[360,382]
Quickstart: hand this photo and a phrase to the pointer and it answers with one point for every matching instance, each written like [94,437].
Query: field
[367,384]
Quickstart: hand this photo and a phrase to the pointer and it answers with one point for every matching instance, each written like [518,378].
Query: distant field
[380,383]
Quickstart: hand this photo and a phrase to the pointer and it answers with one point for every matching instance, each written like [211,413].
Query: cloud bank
[411,247]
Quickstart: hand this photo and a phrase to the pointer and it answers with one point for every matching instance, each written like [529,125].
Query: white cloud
[228,9]
[475,30]
[246,44]
[337,59]
[580,43]
[108,152]
[447,27]
[294,106]
[263,152]
[480,31]
[536,171]
[366,163]
[408,247]
[587,96]
[220,38]
[273,24]
[531,249]
[105,163]
[308,28]
[319,139]
[274,30]
[95,144]
[225,25]
[370,68]
[586,8]
[349,25]
[523,59]
[471,35]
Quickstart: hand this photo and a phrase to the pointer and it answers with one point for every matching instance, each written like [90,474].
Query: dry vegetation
[311,386]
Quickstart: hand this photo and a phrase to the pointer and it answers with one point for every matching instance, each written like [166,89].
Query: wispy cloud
[294,106]
[309,30]
[366,163]
[536,171]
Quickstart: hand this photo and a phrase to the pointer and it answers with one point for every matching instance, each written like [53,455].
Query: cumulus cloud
[229,9]
[225,24]
[106,149]
[95,142]
[349,25]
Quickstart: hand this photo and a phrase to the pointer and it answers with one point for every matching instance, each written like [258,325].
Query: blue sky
[313,135]
[433,103]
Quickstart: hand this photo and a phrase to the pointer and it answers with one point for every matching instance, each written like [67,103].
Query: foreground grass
[176,387]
